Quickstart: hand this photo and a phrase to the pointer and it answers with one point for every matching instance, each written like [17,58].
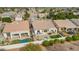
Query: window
[24,34]
[8,34]
[45,30]
[75,28]
[38,32]
[69,29]
[15,34]
[63,28]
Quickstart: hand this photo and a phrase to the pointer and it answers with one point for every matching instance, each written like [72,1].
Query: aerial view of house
[17,30]
[39,29]
[42,27]
[76,22]
[65,25]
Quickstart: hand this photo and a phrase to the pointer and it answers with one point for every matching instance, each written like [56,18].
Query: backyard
[69,44]
[20,41]
[53,44]
[66,46]
[16,41]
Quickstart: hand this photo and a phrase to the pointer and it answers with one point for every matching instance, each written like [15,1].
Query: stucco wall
[42,31]
[19,32]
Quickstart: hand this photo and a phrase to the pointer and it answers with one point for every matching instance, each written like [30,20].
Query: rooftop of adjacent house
[1,25]
[75,21]
[7,14]
[16,26]
[65,23]
[43,24]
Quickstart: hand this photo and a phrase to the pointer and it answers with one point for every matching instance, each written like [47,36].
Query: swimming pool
[25,40]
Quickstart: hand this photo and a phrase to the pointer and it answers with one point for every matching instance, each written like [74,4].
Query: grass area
[15,41]
[55,36]
[73,38]
[51,42]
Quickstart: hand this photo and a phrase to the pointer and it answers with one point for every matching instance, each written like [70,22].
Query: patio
[17,35]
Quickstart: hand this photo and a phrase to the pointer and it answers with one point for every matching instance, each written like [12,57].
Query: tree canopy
[7,19]
[26,15]
[61,15]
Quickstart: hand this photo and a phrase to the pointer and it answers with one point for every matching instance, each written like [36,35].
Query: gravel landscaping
[67,46]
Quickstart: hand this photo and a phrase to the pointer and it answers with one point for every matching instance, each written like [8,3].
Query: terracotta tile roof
[43,24]
[75,21]
[16,26]
[64,23]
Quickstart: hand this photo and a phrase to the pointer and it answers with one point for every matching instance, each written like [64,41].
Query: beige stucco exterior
[19,36]
[50,30]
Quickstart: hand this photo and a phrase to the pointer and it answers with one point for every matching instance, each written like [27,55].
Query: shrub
[15,41]
[56,41]
[51,42]
[31,47]
[7,19]
[75,37]
[26,15]
[61,41]
[45,43]
[69,39]
[55,36]
[2,42]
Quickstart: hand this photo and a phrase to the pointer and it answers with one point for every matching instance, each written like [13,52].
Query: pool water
[25,40]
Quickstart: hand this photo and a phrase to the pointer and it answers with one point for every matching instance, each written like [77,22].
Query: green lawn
[55,36]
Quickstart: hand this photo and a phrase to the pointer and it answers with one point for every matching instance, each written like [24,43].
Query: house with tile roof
[65,25]
[42,27]
[17,30]
[76,22]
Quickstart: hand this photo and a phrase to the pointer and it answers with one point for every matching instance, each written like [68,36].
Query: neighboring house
[18,17]
[65,25]
[41,15]
[8,14]
[41,9]
[17,30]
[76,22]
[1,27]
[44,27]
[33,17]
[76,13]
